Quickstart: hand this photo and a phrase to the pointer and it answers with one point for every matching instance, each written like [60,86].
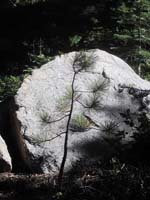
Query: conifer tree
[132,33]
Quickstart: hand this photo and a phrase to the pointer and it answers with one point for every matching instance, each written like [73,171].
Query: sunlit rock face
[5,159]
[93,96]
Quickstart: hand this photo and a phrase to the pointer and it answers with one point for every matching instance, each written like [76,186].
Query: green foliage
[84,61]
[109,127]
[113,136]
[40,59]
[40,138]
[63,105]
[93,102]
[75,40]
[147,76]
[9,86]
[99,86]
[94,99]
[45,117]
[94,36]
[28,71]
[132,35]
[124,38]
[79,124]
[121,27]
[144,54]
[64,102]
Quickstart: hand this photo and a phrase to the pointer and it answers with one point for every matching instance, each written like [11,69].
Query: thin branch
[82,104]
[86,91]
[80,62]
[91,121]
[12,3]
[57,120]
[66,136]
[95,104]
[49,140]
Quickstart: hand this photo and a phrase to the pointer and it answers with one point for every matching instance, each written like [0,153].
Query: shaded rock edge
[10,132]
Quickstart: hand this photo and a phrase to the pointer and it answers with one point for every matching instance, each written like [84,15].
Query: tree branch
[47,140]
[61,171]
[57,120]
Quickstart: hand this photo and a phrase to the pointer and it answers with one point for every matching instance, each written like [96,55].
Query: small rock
[5,159]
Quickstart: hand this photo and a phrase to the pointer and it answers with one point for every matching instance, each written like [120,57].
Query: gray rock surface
[5,159]
[90,95]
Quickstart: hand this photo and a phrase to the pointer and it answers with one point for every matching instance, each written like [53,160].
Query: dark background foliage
[33,31]
[52,27]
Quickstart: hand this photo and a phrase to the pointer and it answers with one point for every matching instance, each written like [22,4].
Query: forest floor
[42,187]
[113,180]
[22,187]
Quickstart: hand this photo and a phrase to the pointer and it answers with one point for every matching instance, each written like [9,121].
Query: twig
[66,136]
[14,5]
[48,140]
[86,91]
[57,120]
[82,104]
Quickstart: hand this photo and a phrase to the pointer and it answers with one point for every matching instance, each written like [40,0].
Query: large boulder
[93,96]
[5,159]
